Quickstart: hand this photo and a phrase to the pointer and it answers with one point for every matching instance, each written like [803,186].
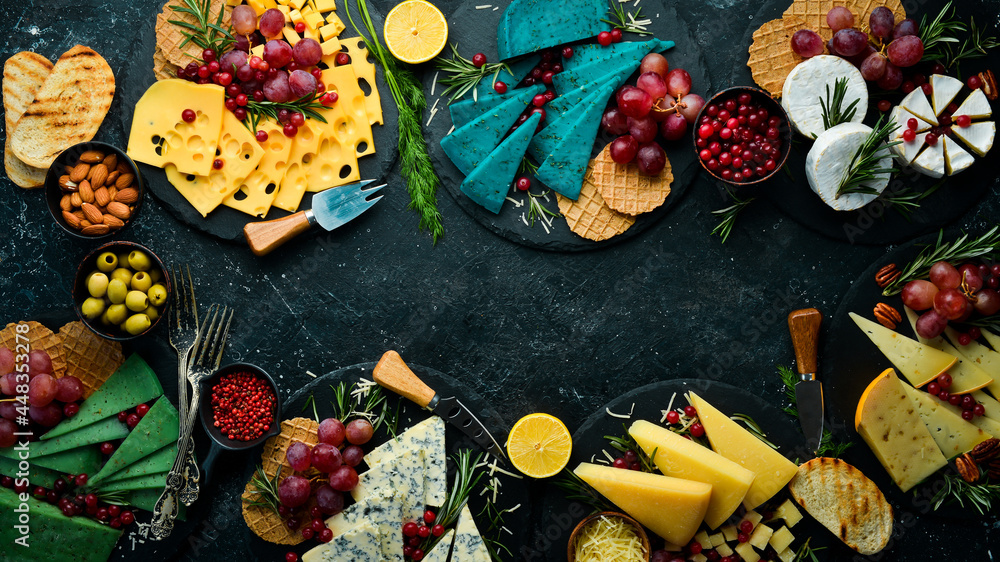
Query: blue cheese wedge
[428,437]
[566,101]
[361,542]
[468,145]
[468,109]
[518,70]
[809,82]
[977,136]
[533,25]
[490,181]
[403,474]
[975,106]
[383,511]
[584,55]
[943,91]
[548,139]
[931,161]
[829,159]
[469,545]
[916,103]
[620,55]
[956,159]
[442,550]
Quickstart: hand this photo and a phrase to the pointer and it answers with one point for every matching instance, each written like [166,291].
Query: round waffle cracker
[263,521]
[89,357]
[771,55]
[624,189]
[170,36]
[162,68]
[39,338]
[813,12]
[590,217]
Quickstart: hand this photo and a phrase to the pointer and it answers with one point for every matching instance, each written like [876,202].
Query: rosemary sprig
[865,165]
[806,553]
[827,445]
[625,21]
[113,498]
[536,210]
[343,401]
[311,401]
[909,200]
[974,46]
[956,490]
[625,443]
[258,110]
[833,107]
[729,215]
[206,33]
[940,38]
[754,428]
[955,253]
[266,490]
[466,478]
[495,526]
[461,76]
[527,167]
[579,491]
[415,164]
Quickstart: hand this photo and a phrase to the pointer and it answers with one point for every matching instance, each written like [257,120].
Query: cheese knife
[332,208]
[393,373]
[804,326]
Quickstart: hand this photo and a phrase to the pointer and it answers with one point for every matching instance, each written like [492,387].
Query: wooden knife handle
[804,327]
[264,237]
[392,373]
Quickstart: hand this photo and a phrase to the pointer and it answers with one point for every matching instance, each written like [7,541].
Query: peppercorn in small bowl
[239,407]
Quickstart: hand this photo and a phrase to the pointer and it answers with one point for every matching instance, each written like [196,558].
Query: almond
[75,200]
[96,230]
[65,203]
[114,222]
[123,168]
[119,210]
[66,185]
[92,156]
[86,192]
[71,219]
[127,196]
[110,161]
[92,213]
[99,176]
[68,169]
[102,197]
[112,178]
[124,180]
[85,223]
[79,215]
[80,172]
[113,192]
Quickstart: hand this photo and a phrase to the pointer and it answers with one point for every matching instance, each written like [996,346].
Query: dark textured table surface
[529,330]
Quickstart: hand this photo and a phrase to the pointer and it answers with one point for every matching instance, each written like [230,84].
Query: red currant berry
[300,27]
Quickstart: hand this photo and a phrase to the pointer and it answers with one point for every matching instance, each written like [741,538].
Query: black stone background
[528,330]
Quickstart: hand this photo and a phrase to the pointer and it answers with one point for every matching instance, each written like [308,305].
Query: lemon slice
[539,445]
[415,31]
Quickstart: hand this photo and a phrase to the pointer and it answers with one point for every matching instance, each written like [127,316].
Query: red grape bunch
[952,295]
[49,399]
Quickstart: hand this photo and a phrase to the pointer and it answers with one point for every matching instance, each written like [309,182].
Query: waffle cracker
[170,36]
[771,55]
[89,357]
[589,216]
[162,68]
[39,338]
[813,12]
[264,522]
[624,189]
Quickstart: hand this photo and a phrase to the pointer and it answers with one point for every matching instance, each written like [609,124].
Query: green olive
[107,262]
[97,284]
[117,291]
[104,319]
[152,312]
[156,275]
[157,294]
[117,313]
[137,324]
[139,261]
[123,260]
[141,282]
[136,301]
[123,275]
[92,308]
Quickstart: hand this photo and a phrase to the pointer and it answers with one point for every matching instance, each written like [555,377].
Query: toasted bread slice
[68,108]
[23,75]
[844,501]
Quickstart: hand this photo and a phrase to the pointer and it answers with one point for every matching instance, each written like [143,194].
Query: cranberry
[909,135]
[933,388]
[944,380]
[308,533]
[300,27]
[291,556]
[132,421]
[437,530]
[500,87]
[979,410]
[697,429]
[188,115]
[478,60]
[261,136]
[410,529]
[967,415]
[107,448]
[342,59]
[884,105]
[673,417]
[567,52]
[423,531]
[604,38]
[616,35]
[619,463]
[81,480]
[127,518]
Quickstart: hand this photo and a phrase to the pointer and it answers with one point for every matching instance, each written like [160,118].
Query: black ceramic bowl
[765,101]
[69,157]
[81,293]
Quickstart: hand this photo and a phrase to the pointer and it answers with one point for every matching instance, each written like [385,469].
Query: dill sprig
[729,215]
[865,165]
[206,33]
[461,76]
[415,164]
[956,490]
[754,428]
[625,21]
[940,40]
[258,110]
[625,443]
[956,252]
[266,490]
[833,107]
[579,491]
[827,445]
[909,200]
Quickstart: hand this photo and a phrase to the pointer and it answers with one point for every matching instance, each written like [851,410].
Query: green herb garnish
[267,490]
[461,76]
[579,491]
[956,490]
[909,200]
[625,443]
[940,38]
[729,215]
[262,110]
[827,445]
[956,252]
[806,553]
[311,401]
[466,477]
[625,21]
[865,166]
[833,108]
[754,428]
[206,34]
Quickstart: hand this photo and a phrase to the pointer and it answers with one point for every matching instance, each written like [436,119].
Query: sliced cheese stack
[966,376]
[920,363]
[952,434]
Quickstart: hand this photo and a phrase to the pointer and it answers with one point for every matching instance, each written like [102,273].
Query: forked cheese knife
[332,208]
[804,327]
[392,373]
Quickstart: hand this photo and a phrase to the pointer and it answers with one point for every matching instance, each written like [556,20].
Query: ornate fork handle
[165,510]
[192,475]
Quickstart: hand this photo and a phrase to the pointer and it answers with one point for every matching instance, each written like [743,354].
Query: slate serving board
[475,31]
[225,223]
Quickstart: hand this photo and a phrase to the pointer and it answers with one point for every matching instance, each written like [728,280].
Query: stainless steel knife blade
[804,327]
[809,400]
[454,412]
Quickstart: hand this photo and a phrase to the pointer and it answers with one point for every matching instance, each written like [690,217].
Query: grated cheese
[484,6]
[435,82]
[434,111]
[311,374]
[609,539]
[621,416]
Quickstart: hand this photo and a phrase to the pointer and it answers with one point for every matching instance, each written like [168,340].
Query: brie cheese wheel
[975,106]
[828,160]
[956,159]
[977,136]
[916,103]
[931,160]
[902,117]
[807,84]
[943,91]
[906,152]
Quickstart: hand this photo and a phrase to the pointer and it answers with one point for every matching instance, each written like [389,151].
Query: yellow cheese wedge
[682,458]
[737,444]
[159,135]
[965,375]
[336,162]
[980,355]
[293,185]
[257,192]
[365,72]
[919,363]
[987,423]
[992,339]
[672,508]
[351,100]
[990,404]
[952,434]
[886,420]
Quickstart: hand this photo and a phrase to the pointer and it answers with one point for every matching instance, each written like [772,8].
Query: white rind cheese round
[829,159]
[806,85]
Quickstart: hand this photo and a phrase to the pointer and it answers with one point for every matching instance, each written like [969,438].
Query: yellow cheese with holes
[918,362]
[296,17]
[672,508]
[297,4]
[682,458]
[159,135]
[290,35]
[979,355]
[886,419]
[240,154]
[952,434]
[293,185]
[351,100]
[330,47]
[268,4]
[781,539]
[313,20]
[257,5]
[365,73]
[336,162]
[329,31]
[257,192]
[325,5]
[737,444]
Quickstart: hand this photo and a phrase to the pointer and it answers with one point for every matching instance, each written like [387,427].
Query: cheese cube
[312,34]
[787,555]
[747,552]
[233,3]
[670,547]
[760,536]
[297,4]
[330,31]
[698,558]
[730,532]
[702,538]
[724,550]
[781,539]
[257,51]
[257,5]
[330,47]
[313,20]
[290,35]
[285,10]
[282,2]
[333,19]
[789,512]
[325,5]
[268,4]
[296,17]
[753,517]
[717,539]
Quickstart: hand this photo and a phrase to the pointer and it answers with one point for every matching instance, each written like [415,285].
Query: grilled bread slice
[68,108]
[844,501]
[23,75]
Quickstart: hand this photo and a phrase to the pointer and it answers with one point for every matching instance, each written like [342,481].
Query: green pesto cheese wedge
[132,384]
[52,535]
[532,25]
[565,166]
[37,475]
[489,182]
[468,145]
[82,460]
[619,57]
[105,430]
[146,499]
[565,104]
[158,428]
[518,70]
[549,138]
[155,481]
[160,461]
[584,55]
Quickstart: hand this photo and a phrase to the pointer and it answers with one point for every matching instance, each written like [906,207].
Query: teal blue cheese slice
[595,52]
[916,103]
[977,136]
[468,145]
[830,157]
[930,162]
[810,82]
[383,511]
[466,110]
[566,101]
[487,185]
[533,25]
[956,159]
[518,70]
[403,474]
[427,437]
[362,542]
[548,139]
[617,56]
[441,550]
[943,91]
[469,545]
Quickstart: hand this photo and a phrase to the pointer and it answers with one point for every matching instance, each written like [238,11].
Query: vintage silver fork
[207,357]
[183,334]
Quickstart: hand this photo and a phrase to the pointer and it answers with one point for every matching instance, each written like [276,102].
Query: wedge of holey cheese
[827,163]
[807,85]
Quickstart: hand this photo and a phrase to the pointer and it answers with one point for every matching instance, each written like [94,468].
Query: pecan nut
[993,469]
[987,450]
[989,86]
[967,468]
[887,275]
[887,315]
